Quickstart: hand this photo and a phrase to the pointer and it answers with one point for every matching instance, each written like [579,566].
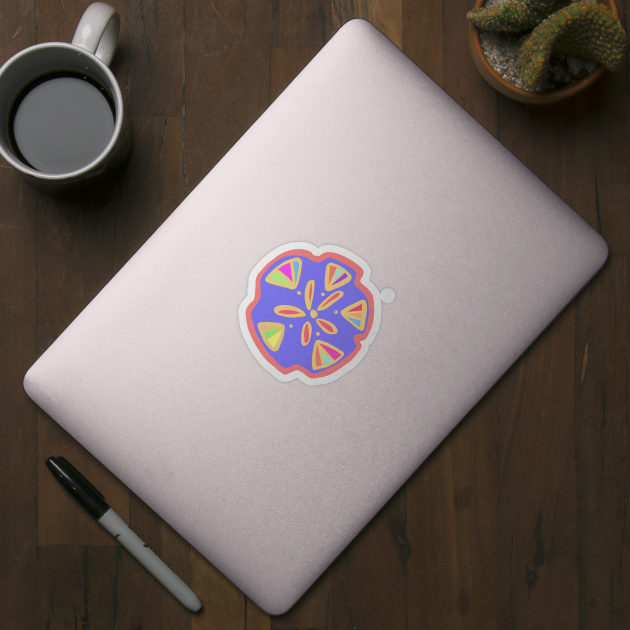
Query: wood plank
[226,78]
[300,22]
[606,121]
[422,36]
[369,577]
[18,422]
[537,537]
[565,148]
[559,149]
[603,442]
[608,126]
[154,57]
[18,415]
[386,15]
[452,527]
[76,587]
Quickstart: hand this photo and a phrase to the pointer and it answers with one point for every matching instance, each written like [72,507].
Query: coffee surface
[62,124]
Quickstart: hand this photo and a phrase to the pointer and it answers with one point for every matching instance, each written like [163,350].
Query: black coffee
[61,123]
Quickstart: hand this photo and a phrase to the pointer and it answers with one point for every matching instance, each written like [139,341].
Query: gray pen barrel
[149,559]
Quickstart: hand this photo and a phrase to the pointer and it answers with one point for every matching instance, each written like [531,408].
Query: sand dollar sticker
[311,313]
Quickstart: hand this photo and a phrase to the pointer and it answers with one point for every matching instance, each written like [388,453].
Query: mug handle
[98,30]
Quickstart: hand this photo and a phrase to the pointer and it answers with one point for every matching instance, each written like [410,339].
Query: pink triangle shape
[333,353]
[286,270]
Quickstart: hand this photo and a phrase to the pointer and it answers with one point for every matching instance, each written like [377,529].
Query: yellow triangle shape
[355,315]
[326,352]
[274,340]
[336,276]
[277,277]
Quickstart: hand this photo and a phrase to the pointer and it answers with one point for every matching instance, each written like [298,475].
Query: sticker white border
[316,251]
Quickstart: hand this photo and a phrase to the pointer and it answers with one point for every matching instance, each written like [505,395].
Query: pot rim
[512,91]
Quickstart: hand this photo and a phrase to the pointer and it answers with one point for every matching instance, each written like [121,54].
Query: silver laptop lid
[316,317]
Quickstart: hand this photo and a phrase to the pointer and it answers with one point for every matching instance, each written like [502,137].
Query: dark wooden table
[518,520]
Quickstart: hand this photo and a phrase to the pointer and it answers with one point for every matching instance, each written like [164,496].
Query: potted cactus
[558,49]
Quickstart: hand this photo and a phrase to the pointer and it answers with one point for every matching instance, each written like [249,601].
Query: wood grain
[602,380]
[422,36]
[300,22]
[537,536]
[76,587]
[18,416]
[154,57]
[609,134]
[452,517]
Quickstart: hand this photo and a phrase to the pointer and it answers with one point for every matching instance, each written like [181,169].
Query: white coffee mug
[85,60]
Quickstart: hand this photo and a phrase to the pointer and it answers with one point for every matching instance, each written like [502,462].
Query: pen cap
[78,486]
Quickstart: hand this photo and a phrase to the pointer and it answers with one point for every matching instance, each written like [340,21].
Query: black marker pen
[94,502]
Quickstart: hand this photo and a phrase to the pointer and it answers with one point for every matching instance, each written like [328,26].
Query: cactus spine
[513,16]
[584,29]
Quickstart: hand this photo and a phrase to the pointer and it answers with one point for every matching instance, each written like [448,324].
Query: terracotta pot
[518,94]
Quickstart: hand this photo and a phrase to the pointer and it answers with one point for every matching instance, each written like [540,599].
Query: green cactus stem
[513,16]
[584,29]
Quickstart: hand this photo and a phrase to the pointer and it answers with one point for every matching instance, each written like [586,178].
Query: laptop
[316,316]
